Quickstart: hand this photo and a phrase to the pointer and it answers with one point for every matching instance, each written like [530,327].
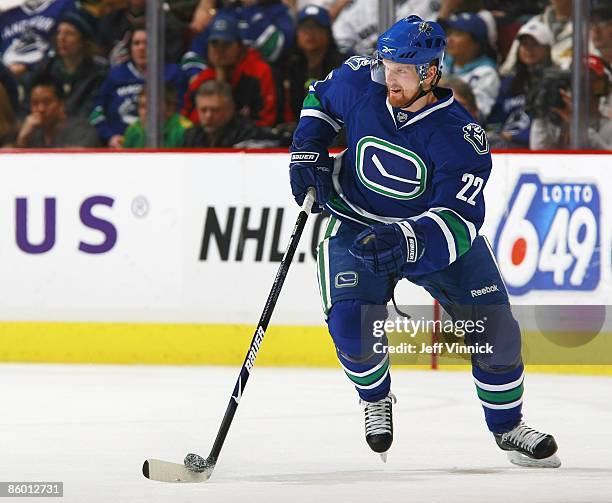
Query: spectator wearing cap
[558,17]
[553,132]
[48,126]
[117,26]
[510,122]
[249,76]
[265,25]
[315,56]
[72,63]
[116,105]
[469,58]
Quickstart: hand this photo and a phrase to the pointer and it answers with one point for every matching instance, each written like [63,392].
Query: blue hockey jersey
[428,168]
[26,31]
[116,105]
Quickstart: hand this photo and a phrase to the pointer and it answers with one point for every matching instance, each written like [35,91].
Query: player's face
[530,51]
[402,82]
[44,103]
[69,42]
[214,112]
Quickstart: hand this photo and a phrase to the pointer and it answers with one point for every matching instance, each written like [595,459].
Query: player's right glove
[311,169]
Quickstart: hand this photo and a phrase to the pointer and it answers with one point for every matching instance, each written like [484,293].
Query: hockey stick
[196,468]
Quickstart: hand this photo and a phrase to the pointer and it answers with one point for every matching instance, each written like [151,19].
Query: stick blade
[164,471]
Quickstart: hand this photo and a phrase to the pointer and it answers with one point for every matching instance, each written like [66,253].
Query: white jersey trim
[323,116]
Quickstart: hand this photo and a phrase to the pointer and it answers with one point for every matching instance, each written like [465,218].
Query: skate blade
[518,459]
[383,456]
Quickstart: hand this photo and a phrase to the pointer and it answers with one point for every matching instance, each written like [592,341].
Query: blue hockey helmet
[411,41]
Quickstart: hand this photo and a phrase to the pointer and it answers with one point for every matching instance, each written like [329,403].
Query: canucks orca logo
[476,135]
[390,170]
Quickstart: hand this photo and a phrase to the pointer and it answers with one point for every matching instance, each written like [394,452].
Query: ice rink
[297,436]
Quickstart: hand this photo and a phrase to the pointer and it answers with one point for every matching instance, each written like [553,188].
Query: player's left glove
[386,248]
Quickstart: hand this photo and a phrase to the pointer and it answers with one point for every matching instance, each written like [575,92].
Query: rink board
[168,257]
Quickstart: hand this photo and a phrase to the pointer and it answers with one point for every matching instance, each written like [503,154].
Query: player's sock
[379,424]
[501,396]
[371,377]
[529,447]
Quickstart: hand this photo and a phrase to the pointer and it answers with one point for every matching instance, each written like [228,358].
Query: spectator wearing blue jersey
[73,63]
[26,32]
[469,58]
[510,120]
[117,102]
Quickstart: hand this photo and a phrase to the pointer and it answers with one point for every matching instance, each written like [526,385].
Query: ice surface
[297,436]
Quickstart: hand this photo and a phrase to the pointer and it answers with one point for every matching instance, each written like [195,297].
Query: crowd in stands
[73,73]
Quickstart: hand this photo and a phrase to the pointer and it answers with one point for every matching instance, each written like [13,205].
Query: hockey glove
[311,169]
[385,248]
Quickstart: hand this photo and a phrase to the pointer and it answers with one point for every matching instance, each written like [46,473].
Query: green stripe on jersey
[459,230]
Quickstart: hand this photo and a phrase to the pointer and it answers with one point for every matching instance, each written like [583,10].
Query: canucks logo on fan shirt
[549,238]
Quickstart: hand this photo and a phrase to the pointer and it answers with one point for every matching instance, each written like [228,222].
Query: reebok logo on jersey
[484,291]
[304,157]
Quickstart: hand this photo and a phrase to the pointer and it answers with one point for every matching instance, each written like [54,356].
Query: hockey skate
[528,447]
[379,424]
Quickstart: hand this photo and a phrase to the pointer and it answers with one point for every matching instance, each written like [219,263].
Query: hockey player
[406,201]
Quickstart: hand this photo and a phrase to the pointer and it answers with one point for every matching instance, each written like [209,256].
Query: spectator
[462,93]
[601,39]
[264,25]
[73,63]
[356,27]
[26,32]
[551,133]
[250,76]
[468,57]
[175,125]
[218,124]
[601,29]
[334,7]
[116,29]
[116,104]
[510,122]
[316,55]
[558,17]
[48,126]
[8,120]
[269,28]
